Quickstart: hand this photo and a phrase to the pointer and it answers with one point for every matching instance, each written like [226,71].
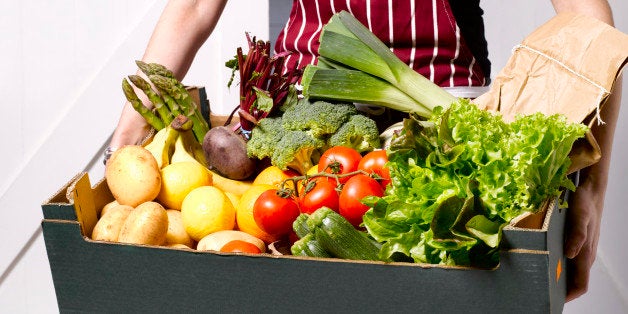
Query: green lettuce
[459,177]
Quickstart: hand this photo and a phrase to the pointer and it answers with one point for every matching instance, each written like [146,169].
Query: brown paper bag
[567,66]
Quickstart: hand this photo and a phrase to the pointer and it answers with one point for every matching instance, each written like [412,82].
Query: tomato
[240,246]
[323,193]
[339,160]
[274,213]
[374,162]
[358,187]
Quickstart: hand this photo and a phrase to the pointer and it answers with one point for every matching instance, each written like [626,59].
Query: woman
[443,40]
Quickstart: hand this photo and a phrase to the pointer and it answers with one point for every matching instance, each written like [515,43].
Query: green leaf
[490,232]
[263,101]
[445,217]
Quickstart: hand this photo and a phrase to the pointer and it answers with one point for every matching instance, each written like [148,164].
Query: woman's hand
[584,215]
[582,233]
[183,27]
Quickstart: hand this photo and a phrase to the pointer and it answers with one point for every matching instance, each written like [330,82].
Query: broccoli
[297,150]
[360,133]
[264,137]
[318,118]
[296,138]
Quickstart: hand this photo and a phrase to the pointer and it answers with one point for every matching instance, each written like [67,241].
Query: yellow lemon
[234,198]
[274,176]
[244,214]
[207,209]
[178,179]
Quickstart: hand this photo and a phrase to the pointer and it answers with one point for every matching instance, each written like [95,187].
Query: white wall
[62,63]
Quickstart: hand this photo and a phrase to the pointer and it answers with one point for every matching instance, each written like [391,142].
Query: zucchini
[308,246]
[300,225]
[339,238]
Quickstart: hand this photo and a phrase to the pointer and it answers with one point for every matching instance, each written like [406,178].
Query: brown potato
[108,226]
[176,231]
[147,224]
[108,206]
[133,175]
[179,246]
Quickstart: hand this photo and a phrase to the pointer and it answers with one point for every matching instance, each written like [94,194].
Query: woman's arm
[587,204]
[183,27]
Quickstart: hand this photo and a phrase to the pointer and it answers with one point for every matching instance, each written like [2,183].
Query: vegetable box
[113,277]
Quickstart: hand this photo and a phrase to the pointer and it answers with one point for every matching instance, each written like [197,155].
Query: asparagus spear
[174,89]
[163,111]
[155,69]
[158,69]
[152,119]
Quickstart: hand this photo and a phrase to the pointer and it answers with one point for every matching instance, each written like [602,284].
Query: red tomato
[339,160]
[374,162]
[274,213]
[358,187]
[322,194]
[240,246]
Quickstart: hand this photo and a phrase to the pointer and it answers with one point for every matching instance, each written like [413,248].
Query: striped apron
[422,33]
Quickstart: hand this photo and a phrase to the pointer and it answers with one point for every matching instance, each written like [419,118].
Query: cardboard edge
[538,221]
[56,198]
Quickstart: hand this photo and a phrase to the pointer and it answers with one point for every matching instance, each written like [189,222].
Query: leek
[346,48]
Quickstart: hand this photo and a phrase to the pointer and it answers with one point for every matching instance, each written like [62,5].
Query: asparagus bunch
[170,99]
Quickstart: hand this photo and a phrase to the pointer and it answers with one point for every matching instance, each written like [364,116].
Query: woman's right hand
[181,30]
[132,129]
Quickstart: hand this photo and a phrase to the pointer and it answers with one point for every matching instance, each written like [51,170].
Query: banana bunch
[176,143]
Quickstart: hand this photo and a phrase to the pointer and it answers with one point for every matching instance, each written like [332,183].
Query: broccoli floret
[297,150]
[264,137]
[319,118]
[360,133]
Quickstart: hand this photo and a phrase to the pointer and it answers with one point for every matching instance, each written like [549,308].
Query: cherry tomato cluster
[344,178]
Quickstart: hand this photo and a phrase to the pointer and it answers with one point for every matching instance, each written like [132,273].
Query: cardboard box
[111,277]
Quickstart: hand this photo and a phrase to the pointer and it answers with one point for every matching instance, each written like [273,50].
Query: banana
[186,148]
[162,145]
[236,187]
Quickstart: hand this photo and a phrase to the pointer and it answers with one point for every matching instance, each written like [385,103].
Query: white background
[61,64]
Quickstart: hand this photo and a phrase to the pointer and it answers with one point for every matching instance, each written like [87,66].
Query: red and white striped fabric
[422,33]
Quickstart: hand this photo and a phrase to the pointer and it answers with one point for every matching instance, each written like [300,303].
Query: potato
[108,206]
[179,246]
[133,176]
[176,231]
[147,224]
[215,241]
[108,226]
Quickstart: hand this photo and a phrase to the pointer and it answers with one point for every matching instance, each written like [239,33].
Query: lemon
[273,175]
[244,213]
[178,179]
[207,209]
[235,199]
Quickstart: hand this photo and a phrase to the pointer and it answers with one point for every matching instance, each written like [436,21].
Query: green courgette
[300,225]
[339,238]
[308,246]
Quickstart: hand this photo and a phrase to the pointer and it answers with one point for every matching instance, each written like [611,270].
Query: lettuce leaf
[461,176]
